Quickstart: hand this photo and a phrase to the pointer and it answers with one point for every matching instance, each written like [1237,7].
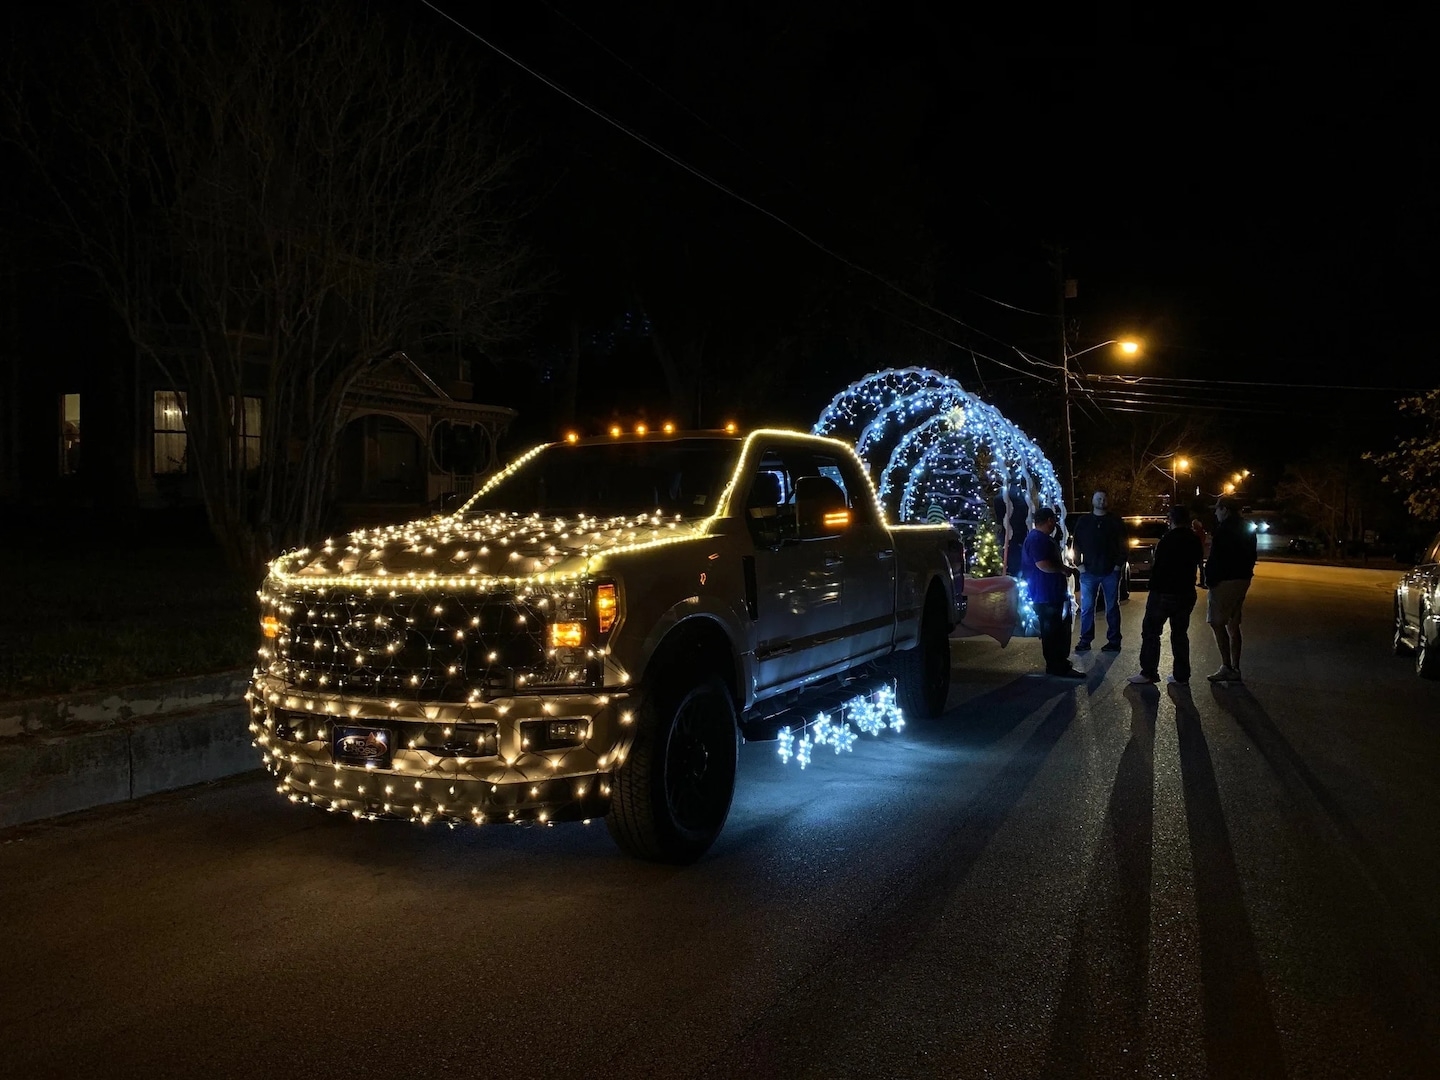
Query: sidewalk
[71,752]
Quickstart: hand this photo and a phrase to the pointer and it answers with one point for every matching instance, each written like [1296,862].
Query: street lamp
[1177,466]
[1128,346]
[1181,465]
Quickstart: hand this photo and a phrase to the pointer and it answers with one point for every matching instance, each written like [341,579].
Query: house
[79,436]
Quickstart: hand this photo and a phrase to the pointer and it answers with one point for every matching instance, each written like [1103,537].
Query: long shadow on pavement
[1098,1029]
[1240,1035]
[793,1038]
[1399,938]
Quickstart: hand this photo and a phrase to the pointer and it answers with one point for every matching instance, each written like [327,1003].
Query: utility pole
[1063,290]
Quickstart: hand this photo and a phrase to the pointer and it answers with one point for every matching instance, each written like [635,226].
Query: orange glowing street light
[1128,346]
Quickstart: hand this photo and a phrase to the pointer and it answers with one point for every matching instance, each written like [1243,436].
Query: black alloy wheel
[671,796]
[699,766]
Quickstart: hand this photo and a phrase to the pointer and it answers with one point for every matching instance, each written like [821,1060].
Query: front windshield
[1149,530]
[679,476]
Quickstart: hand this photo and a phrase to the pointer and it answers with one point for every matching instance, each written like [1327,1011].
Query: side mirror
[820,509]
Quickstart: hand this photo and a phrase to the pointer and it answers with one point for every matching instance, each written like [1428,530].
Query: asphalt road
[1055,879]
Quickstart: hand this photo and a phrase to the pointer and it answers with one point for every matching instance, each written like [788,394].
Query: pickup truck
[593,631]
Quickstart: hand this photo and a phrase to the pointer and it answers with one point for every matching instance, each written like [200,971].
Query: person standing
[1228,573]
[1046,575]
[1198,528]
[1171,599]
[1100,550]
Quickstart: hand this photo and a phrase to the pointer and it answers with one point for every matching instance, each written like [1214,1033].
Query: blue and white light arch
[928,442]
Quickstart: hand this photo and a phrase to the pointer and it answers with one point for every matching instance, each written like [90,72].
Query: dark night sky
[1254,197]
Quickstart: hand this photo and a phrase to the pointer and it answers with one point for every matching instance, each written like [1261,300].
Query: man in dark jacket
[1227,573]
[1100,551]
[1171,599]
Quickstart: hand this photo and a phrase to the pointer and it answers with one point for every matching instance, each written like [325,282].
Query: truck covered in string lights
[592,633]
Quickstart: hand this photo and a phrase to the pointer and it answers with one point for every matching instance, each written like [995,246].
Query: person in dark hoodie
[1171,599]
[1228,572]
[1100,551]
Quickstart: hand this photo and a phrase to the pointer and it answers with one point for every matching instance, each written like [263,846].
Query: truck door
[799,587]
[867,552]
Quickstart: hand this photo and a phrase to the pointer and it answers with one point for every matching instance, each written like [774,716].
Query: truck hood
[460,551]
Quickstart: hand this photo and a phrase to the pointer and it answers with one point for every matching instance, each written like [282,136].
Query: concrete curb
[78,751]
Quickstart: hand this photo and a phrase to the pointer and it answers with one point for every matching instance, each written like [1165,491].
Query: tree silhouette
[298,190]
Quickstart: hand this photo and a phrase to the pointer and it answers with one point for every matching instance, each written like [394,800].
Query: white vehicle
[1417,613]
[592,632]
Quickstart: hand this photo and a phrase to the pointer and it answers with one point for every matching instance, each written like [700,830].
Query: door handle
[887,553]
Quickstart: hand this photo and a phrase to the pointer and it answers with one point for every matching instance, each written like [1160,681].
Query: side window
[828,467]
[171,443]
[769,505]
[70,435]
[847,473]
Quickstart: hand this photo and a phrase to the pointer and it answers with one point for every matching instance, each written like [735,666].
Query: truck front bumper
[497,761]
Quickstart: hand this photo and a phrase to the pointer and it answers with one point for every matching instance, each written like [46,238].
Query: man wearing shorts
[1227,573]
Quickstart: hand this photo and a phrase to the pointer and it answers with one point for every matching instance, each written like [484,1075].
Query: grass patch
[97,617]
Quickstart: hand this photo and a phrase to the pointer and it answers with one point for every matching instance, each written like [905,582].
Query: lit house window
[171,442]
[70,436]
[247,427]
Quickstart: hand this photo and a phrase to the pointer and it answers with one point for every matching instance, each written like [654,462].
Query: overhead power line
[704,177]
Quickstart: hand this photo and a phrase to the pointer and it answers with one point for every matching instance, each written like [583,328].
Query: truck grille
[428,647]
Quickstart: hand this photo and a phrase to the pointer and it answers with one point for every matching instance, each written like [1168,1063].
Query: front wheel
[1399,642]
[670,797]
[1427,654]
[922,674]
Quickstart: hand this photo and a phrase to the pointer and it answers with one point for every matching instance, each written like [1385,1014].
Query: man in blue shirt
[1045,576]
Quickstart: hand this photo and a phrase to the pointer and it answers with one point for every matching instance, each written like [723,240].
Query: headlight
[567,635]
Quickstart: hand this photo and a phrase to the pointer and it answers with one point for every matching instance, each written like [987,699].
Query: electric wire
[670,97]
[700,175]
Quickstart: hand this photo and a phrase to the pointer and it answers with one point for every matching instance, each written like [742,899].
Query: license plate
[363,746]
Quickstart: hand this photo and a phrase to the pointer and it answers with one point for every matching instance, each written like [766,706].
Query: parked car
[1417,613]
[1142,533]
[1305,545]
[593,632]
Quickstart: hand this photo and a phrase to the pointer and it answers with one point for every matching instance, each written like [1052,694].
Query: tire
[1125,584]
[1399,644]
[1427,654]
[922,674]
[670,797]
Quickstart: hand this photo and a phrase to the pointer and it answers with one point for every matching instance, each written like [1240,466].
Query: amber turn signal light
[567,635]
[607,606]
[270,626]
